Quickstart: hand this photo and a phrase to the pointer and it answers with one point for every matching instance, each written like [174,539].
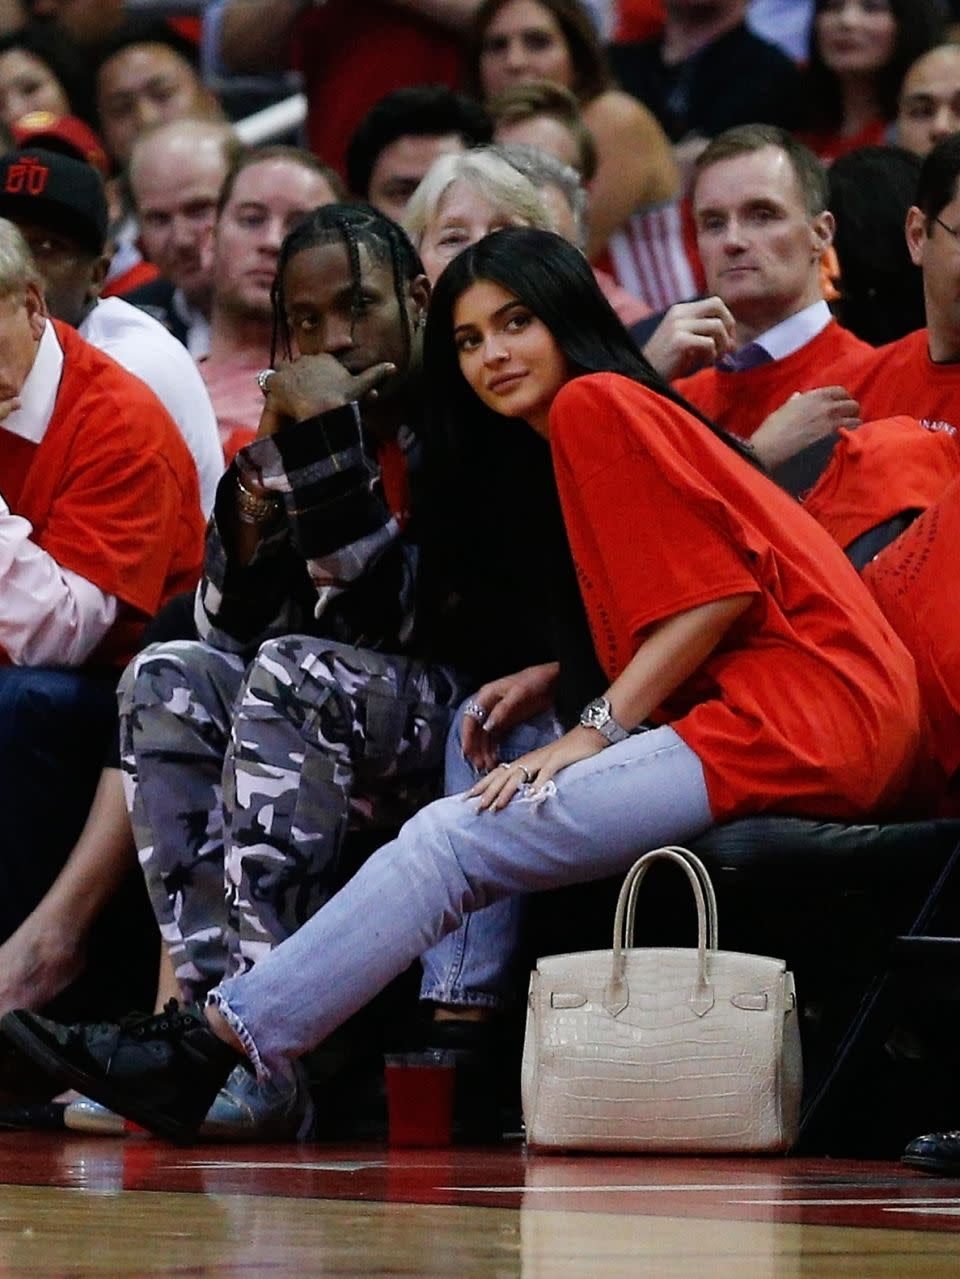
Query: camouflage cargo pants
[243,780]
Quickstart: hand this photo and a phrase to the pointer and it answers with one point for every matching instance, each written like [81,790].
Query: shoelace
[170,1021]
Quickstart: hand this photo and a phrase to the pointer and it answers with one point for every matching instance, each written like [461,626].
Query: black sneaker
[161,1071]
[935,1152]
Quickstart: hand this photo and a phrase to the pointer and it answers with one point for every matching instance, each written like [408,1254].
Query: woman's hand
[536,768]
[505,702]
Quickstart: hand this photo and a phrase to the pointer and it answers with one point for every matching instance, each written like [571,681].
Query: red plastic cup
[419,1098]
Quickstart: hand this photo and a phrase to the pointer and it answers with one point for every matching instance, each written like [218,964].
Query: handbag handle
[617,993]
[706,883]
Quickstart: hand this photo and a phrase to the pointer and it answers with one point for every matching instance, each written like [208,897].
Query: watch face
[595,714]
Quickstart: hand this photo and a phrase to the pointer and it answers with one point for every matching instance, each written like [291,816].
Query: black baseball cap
[55,191]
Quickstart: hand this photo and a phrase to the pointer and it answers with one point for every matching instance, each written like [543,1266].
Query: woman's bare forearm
[674,651]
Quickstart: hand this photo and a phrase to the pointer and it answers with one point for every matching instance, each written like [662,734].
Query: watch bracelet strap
[614,731]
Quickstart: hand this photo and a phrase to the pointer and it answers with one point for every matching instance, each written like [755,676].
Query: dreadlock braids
[350,225]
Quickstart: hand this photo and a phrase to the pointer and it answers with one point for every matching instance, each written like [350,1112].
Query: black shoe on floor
[935,1152]
[34,1116]
[485,1071]
[161,1071]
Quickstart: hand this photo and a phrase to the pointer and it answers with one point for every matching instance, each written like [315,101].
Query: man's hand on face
[314,384]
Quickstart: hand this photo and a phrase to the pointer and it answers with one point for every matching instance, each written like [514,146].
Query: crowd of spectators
[200,333]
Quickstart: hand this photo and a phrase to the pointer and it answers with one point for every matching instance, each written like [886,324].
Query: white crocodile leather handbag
[650,1049]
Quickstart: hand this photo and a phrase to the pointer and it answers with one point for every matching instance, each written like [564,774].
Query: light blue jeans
[472,965]
[596,818]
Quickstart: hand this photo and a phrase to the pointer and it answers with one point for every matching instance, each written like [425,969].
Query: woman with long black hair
[860,52]
[719,611]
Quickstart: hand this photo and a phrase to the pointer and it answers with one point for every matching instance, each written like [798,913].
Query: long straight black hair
[921,25]
[551,277]
[493,496]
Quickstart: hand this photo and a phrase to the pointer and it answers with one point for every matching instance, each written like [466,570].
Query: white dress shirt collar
[795,331]
[38,395]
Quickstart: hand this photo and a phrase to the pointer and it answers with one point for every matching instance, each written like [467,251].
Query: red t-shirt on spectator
[830,146]
[881,470]
[915,583]
[351,58]
[111,491]
[809,705]
[901,378]
[638,20]
[741,401]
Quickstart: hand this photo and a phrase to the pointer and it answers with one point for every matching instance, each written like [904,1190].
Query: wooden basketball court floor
[78,1206]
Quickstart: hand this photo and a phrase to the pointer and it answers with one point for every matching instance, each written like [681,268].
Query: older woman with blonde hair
[464,197]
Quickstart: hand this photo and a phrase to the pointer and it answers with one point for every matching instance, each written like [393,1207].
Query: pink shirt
[237,399]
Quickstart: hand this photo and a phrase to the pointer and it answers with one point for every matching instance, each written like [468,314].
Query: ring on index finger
[475,711]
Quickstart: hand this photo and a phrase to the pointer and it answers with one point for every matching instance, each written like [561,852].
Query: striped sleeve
[338,565]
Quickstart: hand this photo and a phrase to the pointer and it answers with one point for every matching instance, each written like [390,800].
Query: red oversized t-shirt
[881,470]
[914,580]
[901,378]
[810,703]
[741,402]
[111,491]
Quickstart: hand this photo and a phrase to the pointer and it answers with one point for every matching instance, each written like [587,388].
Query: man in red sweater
[100,523]
[99,501]
[794,376]
[759,202]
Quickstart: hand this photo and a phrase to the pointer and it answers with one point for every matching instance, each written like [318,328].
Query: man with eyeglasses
[920,374]
[924,367]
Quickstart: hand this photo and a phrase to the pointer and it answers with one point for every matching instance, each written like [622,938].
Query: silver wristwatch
[598,714]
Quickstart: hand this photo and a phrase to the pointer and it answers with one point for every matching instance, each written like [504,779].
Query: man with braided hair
[308,613]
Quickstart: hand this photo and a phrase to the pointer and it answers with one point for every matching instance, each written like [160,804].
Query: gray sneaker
[84,1115]
[246,1110]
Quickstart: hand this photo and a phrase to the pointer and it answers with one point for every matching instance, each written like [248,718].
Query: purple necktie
[748,357]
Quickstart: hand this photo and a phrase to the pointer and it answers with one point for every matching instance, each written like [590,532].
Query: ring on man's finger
[527,775]
[475,711]
[504,766]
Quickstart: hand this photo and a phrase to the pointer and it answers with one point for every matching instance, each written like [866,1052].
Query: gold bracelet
[253,509]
